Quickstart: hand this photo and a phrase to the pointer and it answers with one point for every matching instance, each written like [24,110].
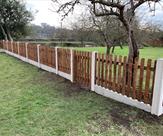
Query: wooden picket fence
[82,68]
[113,72]
[134,80]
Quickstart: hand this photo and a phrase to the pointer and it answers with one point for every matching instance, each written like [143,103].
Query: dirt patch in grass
[47,76]
[123,118]
[69,89]
[126,119]
[149,119]
[72,90]
[118,118]
[98,124]
[124,115]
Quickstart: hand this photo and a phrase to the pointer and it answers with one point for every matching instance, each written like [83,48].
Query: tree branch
[107,14]
[107,3]
[104,13]
[142,2]
[70,4]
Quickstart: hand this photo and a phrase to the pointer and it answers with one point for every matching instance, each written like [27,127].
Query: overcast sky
[43,13]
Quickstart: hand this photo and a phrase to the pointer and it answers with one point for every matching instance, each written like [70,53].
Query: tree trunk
[133,52]
[9,35]
[113,48]
[108,49]
[120,46]
[4,33]
[82,42]
[133,47]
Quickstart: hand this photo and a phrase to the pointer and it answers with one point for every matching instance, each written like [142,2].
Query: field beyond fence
[109,75]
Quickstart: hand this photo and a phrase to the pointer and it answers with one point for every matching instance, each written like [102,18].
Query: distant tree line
[14,18]
[101,31]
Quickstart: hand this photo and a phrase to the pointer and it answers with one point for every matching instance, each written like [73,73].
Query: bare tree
[111,31]
[124,10]
[82,26]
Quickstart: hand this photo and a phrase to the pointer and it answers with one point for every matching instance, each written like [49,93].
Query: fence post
[26,49]
[56,59]
[93,68]
[157,102]
[72,65]
[38,54]
[18,47]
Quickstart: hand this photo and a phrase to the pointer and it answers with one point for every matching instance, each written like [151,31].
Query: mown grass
[146,52]
[37,103]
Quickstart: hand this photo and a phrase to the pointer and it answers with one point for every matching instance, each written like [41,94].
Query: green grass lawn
[37,103]
[146,52]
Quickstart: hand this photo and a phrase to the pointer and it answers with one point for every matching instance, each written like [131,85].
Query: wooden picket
[134,83]
[147,82]
[114,75]
[124,75]
[141,78]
